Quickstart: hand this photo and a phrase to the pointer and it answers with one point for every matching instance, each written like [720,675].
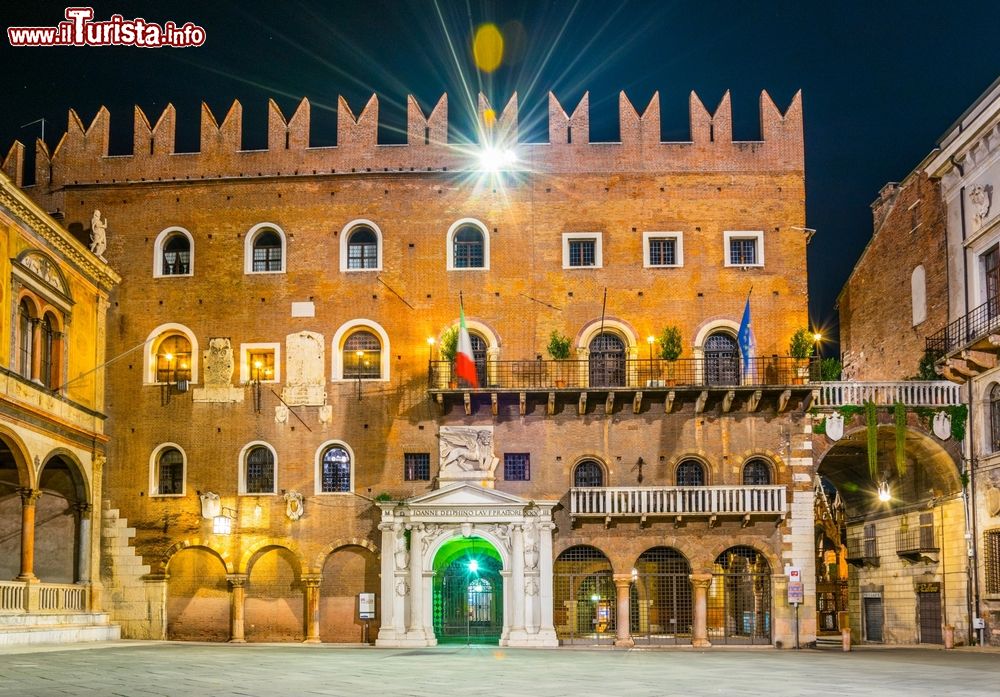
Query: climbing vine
[899,417]
[871,423]
[959,414]
[848,411]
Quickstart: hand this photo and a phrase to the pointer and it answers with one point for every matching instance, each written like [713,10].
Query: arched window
[335,470]
[756,472]
[995,418]
[50,346]
[176,259]
[468,248]
[173,358]
[267,252]
[25,337]
[258,471]
[588,473]
[722,360]
[168,476]
[362,248]
[362,356]
[607,361]
[690,473]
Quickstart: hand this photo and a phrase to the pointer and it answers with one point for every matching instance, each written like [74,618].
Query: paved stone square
[153,669]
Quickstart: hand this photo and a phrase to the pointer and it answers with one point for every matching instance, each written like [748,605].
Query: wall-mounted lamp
[884,494]
[222,524]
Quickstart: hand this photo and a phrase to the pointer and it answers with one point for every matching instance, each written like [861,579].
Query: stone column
[699,632]
[237,603]
[311,602]
[416,627]
[517,631]
[386,581]
[94,568]
[623,616]
[83,549]
[28,499]
[546,632]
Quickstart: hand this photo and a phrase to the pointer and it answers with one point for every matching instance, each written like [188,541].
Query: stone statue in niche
[981,197]
[401,554]
[293,505]
[98,234]
[218,365]
[467,454]
[211,505]
[531,546]
[305,358]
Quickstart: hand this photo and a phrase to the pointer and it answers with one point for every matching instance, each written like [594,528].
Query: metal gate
[929,607]
[607,361]
[661,598]
[739,599]
[873,617]
[468,605]
[583,596]
[722,360]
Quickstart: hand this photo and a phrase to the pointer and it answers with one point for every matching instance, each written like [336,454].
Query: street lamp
[817,341]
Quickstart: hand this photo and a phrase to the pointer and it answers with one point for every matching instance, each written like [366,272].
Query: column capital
[700,580]
[622,580]
[312,580]
[236,580]
[83,508]
[29,496]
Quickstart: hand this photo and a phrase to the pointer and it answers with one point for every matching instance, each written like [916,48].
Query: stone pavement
[150,669]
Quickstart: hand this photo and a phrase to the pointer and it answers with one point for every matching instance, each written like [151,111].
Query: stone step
[47,619]
[58,634]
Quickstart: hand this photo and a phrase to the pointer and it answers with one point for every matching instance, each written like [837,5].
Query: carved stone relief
[293,505]
[980,197]
[44,269]
[281,414]
[98,234]
[211,505]
[402,556]
[305,361]
[467,454]
[218,364]
[326,414]
[531,546]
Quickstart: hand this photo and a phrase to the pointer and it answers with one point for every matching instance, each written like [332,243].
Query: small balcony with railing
[680,503]
[911,393]
[917,544]
[862,551]
[970,344]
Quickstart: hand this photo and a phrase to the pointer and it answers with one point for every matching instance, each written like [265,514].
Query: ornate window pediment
[40,272]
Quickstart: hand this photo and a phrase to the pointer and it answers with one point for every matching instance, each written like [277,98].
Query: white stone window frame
[248,241]
[345,235]
[978,248]
[598,239]
[154,471]
[243,469]
[152,342]
[730,235]
[341,335]
[318,468]
[677,237]
[246,374]
[158,244]
[450,246]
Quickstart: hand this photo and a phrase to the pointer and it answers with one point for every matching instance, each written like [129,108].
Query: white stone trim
[729,235]
[245,349]
[678,238]
[918,294]
[242,468]
[152,342]
[450,248]
[345,234]
[711,327]
[338,345]
[614,326]
[248,241]
[318,468]
[154,471]
[161,240]
[567,237]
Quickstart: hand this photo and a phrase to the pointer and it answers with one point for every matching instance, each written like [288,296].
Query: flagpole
[604,306]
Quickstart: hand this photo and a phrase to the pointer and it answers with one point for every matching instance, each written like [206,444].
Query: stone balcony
[680,503]
[911,393]
[970,345]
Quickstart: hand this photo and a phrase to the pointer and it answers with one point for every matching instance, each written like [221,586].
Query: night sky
[881,81]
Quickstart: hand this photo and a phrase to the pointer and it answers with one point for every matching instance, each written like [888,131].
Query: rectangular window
[266,259]
[260,363]
[417,467]
[871,542]
[991,547]
[517,467]
[582,253]
[744,248]
[662,251]
[582,250]
[171,478]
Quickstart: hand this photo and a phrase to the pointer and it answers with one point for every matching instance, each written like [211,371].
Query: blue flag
[748,345]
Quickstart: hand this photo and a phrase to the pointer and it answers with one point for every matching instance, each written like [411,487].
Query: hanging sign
[366,606]
[796,593]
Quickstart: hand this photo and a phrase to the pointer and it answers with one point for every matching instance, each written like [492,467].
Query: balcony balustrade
[917,544]
[862,551]
[24,596]
[678,501]
[977,324]
[912,393]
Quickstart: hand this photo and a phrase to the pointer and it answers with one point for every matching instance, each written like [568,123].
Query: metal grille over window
[581,252]
[742,252]
[260,471]
[336,470]
[584,596]
[267,252]
[756,472]
[739,599]
[991,546]
[995,418]
[588,473]
[722,360]
[173,359]
[26,342]
[662,251]
[516,467]
[690,473]
[417,467]
[362,249]
[468,248]
[362,356]
[170,478]
[661,604]
[177,256]
[607,361]
[49,343]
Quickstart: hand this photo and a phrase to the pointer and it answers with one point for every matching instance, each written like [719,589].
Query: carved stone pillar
[386,581]
[699,632]
[311,601]
[517,631]
[415,630]
[83,546]
[623,616]
[28,499]
[546,632]
[237,605]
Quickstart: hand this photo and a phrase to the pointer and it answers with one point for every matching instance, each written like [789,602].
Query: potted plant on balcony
[670,350]
[449,347]
[559,350]
[799,348]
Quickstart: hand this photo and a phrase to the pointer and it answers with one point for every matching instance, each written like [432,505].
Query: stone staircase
[56,628]
[129,594]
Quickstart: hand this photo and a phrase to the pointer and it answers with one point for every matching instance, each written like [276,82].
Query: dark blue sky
[881,81]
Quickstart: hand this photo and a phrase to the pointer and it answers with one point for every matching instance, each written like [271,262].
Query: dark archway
[57,520]
[274,597]
[197,596]
[347,572]
[584,596]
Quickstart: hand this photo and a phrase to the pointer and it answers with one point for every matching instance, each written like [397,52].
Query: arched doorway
[661,597]
[10,513]
[583,596]
[468,592]
[57,521]
[739,599]
[607,360]
[479,353]
[347,572]
[274,597]
[197,596]
[722,360]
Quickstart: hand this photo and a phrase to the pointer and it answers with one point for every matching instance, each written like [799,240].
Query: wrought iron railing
[862,548]
[629,372]
[921,539]
[912,393]
[976,324]
[677,500]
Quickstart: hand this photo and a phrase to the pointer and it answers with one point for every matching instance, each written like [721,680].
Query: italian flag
[465,363]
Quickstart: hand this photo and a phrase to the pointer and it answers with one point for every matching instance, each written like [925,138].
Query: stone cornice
[42,224]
